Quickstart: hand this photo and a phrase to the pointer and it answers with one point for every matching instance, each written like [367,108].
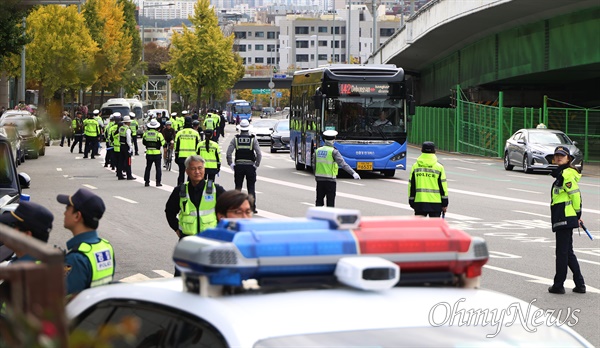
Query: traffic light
[274,69]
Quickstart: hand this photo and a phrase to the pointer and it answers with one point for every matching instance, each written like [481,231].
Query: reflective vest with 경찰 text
[192,221]
[326,166]
[187,140]
[101,256]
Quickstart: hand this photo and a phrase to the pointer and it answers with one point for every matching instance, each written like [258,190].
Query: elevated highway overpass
[526,48]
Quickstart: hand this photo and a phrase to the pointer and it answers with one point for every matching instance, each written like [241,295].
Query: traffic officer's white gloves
[356,176]
[232,166]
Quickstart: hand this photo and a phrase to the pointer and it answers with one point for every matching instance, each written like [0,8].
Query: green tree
[60,48]
[11,28]
[202,58]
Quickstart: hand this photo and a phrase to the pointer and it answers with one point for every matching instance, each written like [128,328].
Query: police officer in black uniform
[247,159]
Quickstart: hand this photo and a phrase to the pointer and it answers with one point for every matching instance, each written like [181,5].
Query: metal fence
[478,129]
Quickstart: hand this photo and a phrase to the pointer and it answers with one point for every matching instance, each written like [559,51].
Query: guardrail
[268,72]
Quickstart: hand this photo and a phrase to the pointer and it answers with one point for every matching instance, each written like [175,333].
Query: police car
[332,279]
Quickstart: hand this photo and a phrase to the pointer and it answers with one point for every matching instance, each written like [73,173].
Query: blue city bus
[240,108]
[367,105]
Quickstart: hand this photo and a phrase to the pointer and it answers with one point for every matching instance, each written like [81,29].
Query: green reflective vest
[134,127]
[114,134]
[211,157]
[187,140]
[101,256]
[209,123]
[566,200]
[90,127]
[428,174]
[189,216]
[326,166]
[153,140]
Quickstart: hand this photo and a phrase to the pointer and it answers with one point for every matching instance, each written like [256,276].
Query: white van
[138,109]
[113,105]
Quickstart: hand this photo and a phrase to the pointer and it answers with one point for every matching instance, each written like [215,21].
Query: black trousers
[108,159]
[565,257]
[326,188]
[134,141]
[181,165]
[210,173]
[429,213]
[150,160]
[91,144]
[124,161]
[248,172]
[65,134]
[77,139]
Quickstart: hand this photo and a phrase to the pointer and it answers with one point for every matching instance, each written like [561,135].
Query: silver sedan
[533,150]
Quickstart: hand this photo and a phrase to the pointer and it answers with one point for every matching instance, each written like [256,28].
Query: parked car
[262,129]
[34,140]
[12,135]
[280,138]
[533,149]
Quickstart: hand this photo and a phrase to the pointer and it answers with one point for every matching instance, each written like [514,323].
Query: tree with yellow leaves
[106,21]
[60,47]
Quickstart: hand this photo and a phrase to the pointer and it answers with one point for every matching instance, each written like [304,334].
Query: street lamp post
[271,84]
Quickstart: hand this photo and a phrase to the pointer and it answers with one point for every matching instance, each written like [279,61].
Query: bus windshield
[242,109]
[364,118]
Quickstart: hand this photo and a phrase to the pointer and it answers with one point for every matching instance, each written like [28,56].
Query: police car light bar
[367,273]
[243,249]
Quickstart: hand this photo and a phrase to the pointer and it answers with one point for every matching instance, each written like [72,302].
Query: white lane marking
[269,215]
[530,213]
[270,167]
[309,204]
[584,184]
[501,255]
[59,169]
[125,199]
[135,278]
[485,195]
[540,280]
[523,176]
[357,197]
[469,169]
[588,261]
[65,176]
[298,173]
[90,187]
[526,191]
[78,157]
[162,273]
[351,183]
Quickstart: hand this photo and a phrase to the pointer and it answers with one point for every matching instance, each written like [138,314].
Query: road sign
[261,91]
[271,85]
[278,94]
[279,76]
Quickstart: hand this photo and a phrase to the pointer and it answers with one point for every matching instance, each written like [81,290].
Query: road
[509,209]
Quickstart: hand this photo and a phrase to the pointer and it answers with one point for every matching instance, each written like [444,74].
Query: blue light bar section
[227,228]
[259,244]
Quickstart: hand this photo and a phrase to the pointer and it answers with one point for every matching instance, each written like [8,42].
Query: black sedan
[533,149]
[33,138]
[280,138]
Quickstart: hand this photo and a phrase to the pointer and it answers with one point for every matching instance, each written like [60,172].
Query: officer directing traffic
[329,159]
[154,141]
[247,159]
[565,213]
[427,186]
[90,260]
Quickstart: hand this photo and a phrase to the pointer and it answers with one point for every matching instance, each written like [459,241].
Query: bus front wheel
[389,172]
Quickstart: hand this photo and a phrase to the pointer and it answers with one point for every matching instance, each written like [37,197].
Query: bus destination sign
[363,89]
